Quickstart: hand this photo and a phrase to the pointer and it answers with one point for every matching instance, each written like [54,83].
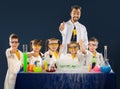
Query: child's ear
[18,44]
[96,46]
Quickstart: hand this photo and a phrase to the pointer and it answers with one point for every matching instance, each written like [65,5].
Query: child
[52,51]
[73,54]
[92,56]
[35,56]
[14,59]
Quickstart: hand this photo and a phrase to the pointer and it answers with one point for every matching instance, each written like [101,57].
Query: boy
[14,59]
[91,55]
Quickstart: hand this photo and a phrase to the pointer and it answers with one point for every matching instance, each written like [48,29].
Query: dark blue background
[40,20]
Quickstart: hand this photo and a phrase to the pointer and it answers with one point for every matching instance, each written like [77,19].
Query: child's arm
[9,53]
[101,59]
[60,50]
[30,55]
[82,47]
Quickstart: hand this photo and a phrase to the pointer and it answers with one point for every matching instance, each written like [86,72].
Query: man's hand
[61,27]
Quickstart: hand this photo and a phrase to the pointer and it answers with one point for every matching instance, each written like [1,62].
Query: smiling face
[36,48]
[92,46]
[73,48]
[53,45]
[36,45]
[14,43]
[75,14]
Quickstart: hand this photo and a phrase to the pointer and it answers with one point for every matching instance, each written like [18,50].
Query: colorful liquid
[25,56]
[45,65]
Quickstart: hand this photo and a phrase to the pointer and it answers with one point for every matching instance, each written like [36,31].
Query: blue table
[65,81]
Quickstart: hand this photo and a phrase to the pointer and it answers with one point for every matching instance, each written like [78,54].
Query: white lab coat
[79,59]
[14,65]
[99,58]
[50,60]
[33,59]
[67,33]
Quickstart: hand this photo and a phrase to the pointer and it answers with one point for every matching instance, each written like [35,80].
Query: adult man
[72,30]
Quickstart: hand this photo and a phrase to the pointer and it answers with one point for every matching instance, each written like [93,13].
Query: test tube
[25,56]
[25,48]
[105,52]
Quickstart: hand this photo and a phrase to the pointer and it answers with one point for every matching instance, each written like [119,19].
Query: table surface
[59,80]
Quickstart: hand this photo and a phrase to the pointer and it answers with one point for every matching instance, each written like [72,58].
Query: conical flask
[106,68]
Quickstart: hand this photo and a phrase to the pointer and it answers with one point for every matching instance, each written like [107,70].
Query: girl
[35,56]
[52,51]
[72,54]
[73,61]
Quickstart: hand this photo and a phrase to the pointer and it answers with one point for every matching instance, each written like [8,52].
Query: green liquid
[93,60]
[25,56]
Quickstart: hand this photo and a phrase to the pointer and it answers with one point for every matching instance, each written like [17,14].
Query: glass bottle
[93,62]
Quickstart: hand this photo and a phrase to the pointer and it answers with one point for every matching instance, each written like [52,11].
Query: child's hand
[12,51]
[61,46]
[50,52]
[81,42]
[30,55]
[82,48]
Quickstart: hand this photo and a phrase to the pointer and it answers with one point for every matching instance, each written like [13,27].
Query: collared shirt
[67,33]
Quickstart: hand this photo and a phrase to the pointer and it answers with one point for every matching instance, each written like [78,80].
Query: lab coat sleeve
[21,59]
[85,35]
[63,33]
[101,59]
[88,57]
